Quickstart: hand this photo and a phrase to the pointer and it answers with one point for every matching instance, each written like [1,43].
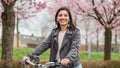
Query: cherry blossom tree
[8,23]
[106,12]
[25,9]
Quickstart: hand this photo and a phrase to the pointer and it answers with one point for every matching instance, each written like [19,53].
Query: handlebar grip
[24,62]
[57,64]
[29,62]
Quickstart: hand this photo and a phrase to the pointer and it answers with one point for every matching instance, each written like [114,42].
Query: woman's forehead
[63,11]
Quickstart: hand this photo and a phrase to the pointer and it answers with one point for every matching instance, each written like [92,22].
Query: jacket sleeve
[43,47]
[74,49]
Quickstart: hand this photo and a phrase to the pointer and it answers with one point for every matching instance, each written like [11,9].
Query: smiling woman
[64,41]
[63,18]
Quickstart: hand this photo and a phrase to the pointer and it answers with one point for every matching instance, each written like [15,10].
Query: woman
[64,41]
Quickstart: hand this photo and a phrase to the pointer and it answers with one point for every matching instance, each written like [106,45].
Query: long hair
[70,23]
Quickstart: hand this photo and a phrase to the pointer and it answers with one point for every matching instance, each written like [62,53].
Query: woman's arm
[75,43]
[44,46]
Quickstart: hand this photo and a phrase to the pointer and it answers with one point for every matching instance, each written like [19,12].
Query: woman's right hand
[26,58]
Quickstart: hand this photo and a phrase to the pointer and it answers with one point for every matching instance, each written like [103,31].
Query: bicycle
[36,63]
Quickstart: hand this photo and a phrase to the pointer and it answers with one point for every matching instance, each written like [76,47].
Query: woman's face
[63,18]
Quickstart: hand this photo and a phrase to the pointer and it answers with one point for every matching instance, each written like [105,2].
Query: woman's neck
[63,28]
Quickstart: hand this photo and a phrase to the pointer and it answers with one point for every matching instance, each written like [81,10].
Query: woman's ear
[56,19]
[69,24]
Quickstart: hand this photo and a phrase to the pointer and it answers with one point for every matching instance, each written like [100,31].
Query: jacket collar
[67,36]
[68,32]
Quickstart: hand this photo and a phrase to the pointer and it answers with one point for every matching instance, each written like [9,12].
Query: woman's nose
[63,17]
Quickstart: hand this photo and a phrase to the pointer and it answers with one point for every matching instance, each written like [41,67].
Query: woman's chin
[63,24]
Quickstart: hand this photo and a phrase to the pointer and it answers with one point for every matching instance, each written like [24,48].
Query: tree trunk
[8,23]
[86,46]
[116,44]
[17,28]
[86,41]
[107,48]
[97,41]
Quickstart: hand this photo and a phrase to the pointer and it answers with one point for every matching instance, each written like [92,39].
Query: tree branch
[3,3]
[100,18]
[105,11]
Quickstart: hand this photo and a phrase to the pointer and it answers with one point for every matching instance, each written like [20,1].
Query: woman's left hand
[65,61]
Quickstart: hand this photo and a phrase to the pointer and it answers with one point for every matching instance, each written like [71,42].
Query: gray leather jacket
[69,48]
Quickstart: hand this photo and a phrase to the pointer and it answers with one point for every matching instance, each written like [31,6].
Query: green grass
[93,55]
[20,52]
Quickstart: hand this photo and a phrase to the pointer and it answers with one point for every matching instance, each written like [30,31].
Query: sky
[33,25]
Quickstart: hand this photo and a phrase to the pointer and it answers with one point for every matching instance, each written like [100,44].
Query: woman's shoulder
[77,30]
[54,29]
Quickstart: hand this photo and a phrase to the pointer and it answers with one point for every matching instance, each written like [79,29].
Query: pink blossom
[29,9]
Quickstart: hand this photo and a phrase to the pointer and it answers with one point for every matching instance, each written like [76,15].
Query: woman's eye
[60,15]
[65,15]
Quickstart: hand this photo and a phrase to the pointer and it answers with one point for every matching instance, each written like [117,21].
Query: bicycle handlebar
[29,62]
[38,64]
[42,65]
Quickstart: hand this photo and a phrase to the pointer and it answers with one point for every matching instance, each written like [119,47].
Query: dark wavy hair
[71,25]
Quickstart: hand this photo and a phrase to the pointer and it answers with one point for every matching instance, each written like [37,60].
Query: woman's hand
[26,58]
[65,61]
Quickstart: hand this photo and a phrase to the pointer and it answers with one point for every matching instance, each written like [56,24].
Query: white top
[60,40]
